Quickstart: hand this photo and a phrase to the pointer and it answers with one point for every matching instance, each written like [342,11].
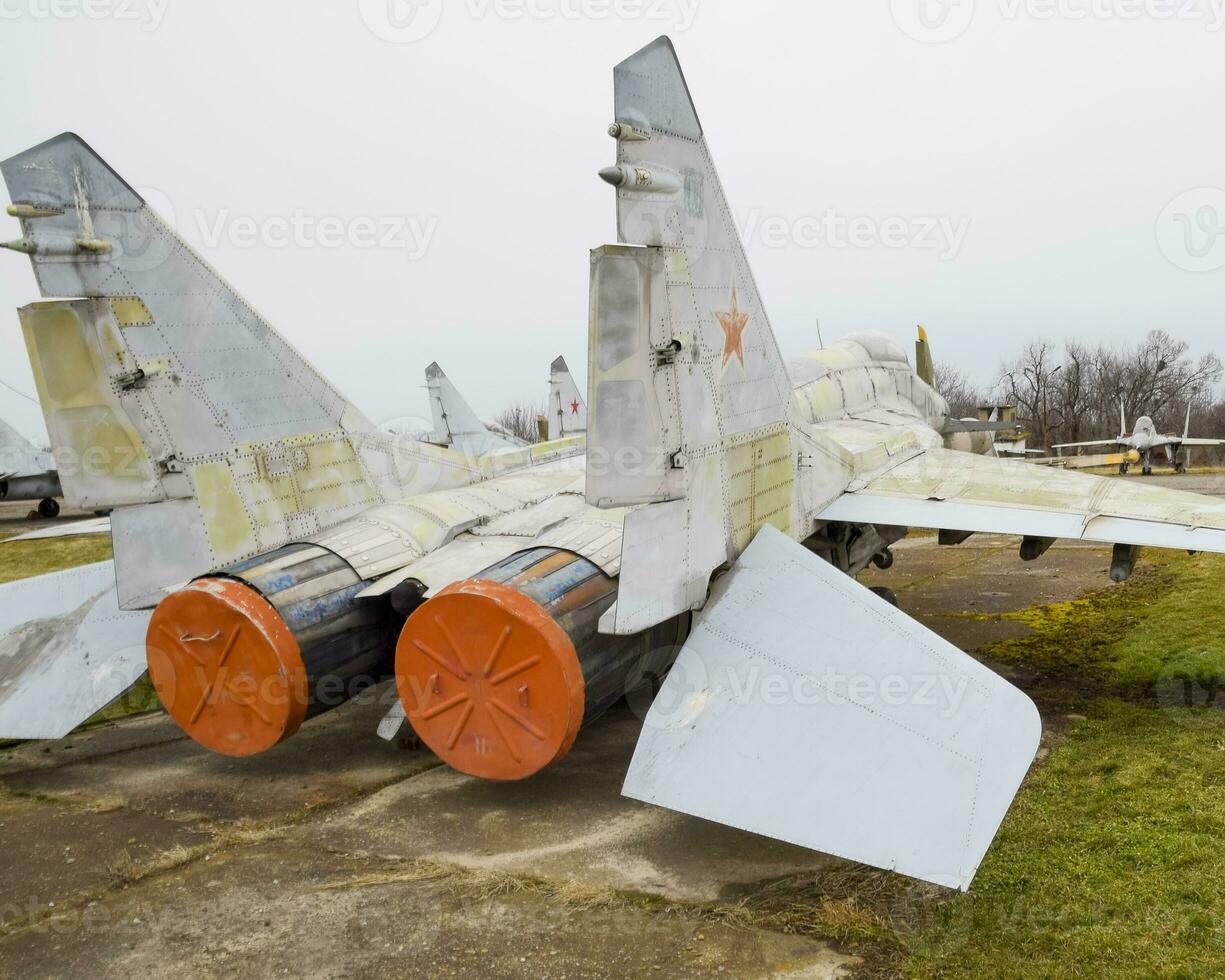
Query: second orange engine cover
[490,682]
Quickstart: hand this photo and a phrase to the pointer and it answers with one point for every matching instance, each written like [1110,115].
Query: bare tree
[962,395]
[1029,382]
[520,420]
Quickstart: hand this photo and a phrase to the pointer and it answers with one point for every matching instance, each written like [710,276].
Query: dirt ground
[130,851]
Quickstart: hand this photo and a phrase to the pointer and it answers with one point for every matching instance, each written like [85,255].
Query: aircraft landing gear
[1147,471]
[48,508]
[1180,468]
[883,560]
[1123,468]
[887,594]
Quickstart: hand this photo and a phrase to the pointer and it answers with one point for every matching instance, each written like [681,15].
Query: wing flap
[66,650]
[805,708]
[957,491]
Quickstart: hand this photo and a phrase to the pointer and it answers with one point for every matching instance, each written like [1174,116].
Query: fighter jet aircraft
[27,472]
[705,545]
[1143,442]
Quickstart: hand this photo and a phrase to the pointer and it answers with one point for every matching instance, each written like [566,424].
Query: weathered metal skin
[345,645]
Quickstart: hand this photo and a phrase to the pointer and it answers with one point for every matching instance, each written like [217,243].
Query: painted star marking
[733,323]
[574,407]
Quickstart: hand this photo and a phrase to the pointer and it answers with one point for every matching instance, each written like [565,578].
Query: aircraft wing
[956,491]
[1201,442]
[1085,445]
[889,745]
[98,525]
[66,650]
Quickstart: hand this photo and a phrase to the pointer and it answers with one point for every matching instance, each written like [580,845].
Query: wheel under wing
[805,708]
[66,650]
[958,492]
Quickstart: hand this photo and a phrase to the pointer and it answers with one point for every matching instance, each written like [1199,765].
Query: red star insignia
[574,407]
[733,323]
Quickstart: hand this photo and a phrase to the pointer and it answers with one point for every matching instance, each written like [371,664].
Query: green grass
[1164,625]
[24,559]
[1110,862]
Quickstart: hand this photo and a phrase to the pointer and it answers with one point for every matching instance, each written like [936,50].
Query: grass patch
[1163,626]
[25,559]
[1109,864]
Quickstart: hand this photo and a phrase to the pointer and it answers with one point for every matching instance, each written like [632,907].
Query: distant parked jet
[27,472]
[1145,439]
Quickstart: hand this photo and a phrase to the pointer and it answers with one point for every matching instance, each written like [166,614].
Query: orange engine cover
[490,681]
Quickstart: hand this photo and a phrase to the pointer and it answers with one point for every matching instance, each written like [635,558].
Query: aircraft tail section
[925,367]
[689,394]
[456,424]
[567,407]
[169,398]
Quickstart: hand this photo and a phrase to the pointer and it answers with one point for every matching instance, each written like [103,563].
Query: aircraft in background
[456,425]
[705,544]
[27,472]
[567,412]
[1144,441]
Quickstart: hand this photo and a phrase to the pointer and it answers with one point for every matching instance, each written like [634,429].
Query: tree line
[1071,392]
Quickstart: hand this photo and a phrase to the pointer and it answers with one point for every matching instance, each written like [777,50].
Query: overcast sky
[993,169]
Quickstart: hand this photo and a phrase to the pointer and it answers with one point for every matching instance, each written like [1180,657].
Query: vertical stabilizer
[567,408]
[925,368]
[170,399]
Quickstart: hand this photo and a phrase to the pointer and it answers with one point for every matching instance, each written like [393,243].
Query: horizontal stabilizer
[805,708]
[66,650]
[96,525]
[976,425]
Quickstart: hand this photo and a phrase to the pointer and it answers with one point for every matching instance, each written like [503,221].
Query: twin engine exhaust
[497,673]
